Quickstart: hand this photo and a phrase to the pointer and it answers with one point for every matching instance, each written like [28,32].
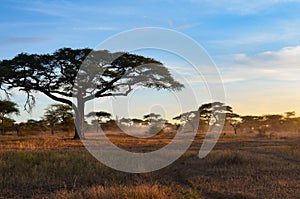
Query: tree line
[60,118]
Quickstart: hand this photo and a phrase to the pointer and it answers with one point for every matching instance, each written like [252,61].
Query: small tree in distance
[100,115]
[156,123]
[151,117]
[188,118]
[234,121]
[57,113]
[7,108]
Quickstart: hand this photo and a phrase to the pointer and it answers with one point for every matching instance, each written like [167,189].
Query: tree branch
[59,99]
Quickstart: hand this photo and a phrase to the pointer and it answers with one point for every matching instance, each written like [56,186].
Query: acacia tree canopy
[100,115]
[83,74]
[214,112]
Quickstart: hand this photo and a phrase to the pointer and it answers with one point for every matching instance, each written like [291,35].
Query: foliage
[234,120]
[7,108]
[58,114]
[83,74]
[188,118]
[214,113]
[156,124]
[31,126]
[101,115]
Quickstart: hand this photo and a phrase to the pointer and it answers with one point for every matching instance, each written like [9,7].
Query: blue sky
[255,44]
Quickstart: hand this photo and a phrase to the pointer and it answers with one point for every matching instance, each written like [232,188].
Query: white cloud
[278,65]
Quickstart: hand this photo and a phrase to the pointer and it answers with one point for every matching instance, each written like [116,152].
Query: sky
[254,44]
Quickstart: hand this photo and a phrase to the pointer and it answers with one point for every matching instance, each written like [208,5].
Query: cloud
[287,58]
[23,40]
[183,26]
[283,64]
[46,11]
[69,9]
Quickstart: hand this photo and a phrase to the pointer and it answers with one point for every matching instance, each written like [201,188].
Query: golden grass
[118,192]
[239,167]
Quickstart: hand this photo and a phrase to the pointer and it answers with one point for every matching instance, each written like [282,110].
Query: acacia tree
[214,113]
[156,123]
[234,121]
[100,115]
[58,113]
[126,121]
[188,118]
[82,74]
[151,117]
[7,108]
[138,122]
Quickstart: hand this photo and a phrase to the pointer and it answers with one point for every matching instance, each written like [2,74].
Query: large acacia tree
[83,75]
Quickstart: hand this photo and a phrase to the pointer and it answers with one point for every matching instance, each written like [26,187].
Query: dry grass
[39,142]
[120,192]
[238,167]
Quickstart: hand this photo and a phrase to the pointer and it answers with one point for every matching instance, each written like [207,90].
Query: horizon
[255,45]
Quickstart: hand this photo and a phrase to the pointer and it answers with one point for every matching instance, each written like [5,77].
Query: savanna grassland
[240,166]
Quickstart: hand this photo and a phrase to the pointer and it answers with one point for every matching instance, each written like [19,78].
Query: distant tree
[56,114]
[32,126]
[151,117]
[214,113]
[156,123]
[273,122]
[234,120]
[101,116]
[290,121]
[252,123]
[83,74]
[137,122]
[126,121]
[7,108]
[188,118]
[8,124]
[290,114]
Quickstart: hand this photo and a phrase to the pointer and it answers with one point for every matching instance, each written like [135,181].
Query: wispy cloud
[283,64]
[23,40]
[183,26]
[69,9]
[45,10]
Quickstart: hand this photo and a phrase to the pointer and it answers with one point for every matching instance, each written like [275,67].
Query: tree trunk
[2,124]
[52,129]
[79,120]
[76,135]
